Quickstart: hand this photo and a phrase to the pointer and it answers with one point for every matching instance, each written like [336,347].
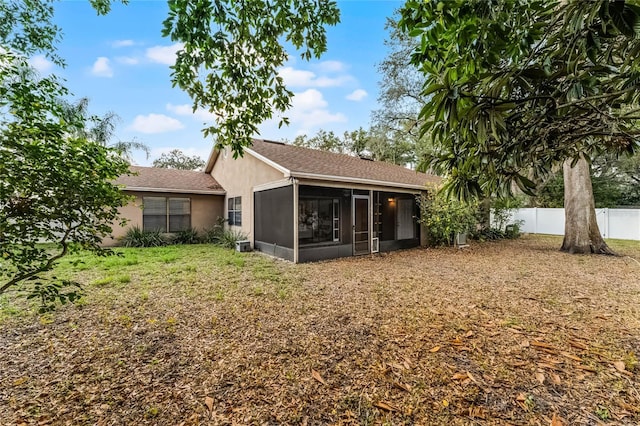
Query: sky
[121,63]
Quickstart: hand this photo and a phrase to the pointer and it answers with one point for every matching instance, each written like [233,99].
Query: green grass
[139,274]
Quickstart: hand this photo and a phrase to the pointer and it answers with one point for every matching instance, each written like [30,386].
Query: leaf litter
[512,333]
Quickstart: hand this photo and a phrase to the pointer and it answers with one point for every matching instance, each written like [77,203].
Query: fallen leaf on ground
[208,401]
[540,377]
[541,344]
[477,412]
[318,377]
[619,365]
[402,386]
[434,350]
[571,356]
[460,376]
[386,406]
[586,368]
[556,420]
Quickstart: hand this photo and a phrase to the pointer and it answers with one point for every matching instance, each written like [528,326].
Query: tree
[231,54]
[55,171]
[323,140]
[176,159]
[517,88]
[97,129]
[55,188]
[397,123]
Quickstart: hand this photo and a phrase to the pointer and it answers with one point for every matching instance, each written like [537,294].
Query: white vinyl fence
[623,224]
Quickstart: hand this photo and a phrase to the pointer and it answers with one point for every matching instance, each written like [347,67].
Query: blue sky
[121,62]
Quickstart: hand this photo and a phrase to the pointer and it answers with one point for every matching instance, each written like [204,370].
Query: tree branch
[47,266]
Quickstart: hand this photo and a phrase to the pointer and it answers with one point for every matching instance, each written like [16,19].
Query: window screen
[234,211]
[166,214]
[154,215]
[179,214]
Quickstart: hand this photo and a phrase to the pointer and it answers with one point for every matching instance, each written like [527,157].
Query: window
[166,214]
[318,220]
[234,211]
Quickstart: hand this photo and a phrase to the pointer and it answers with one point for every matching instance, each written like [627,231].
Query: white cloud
[122,43]
[102,68]
[308,100]
[41,63]
[155,123]
[331,66]
[301,78]
[186,109]
[309,110]
[357,95]
[163,54]
[128,60]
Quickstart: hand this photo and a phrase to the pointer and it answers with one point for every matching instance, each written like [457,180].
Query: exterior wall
[239,177]
[205,209]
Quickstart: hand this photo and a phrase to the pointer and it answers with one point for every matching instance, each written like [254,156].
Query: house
[169,200]
[305,205]
[295,203]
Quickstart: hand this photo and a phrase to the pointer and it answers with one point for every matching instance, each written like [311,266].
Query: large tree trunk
[581,232]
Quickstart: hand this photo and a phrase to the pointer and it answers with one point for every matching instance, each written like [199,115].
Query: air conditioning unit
[461,239]
[375,245]
[243,246]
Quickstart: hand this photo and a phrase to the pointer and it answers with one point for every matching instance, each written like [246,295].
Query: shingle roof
[156,179]
[304,162]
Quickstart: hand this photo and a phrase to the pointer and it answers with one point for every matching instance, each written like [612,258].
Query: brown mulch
[498,333]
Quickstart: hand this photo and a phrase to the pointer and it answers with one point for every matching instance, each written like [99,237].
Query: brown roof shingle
[156,179]
[304,161]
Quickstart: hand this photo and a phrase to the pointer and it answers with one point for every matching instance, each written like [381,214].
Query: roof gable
[155,179]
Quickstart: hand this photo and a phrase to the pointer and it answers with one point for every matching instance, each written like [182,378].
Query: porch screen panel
[179,214]
[273,216]
[318,220]
[154,214]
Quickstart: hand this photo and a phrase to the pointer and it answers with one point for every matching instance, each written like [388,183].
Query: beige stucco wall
[205,209]
[238,177]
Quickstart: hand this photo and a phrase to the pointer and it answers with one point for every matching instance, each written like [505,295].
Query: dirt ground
[498,333]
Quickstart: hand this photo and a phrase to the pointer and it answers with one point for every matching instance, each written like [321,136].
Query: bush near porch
[513,332]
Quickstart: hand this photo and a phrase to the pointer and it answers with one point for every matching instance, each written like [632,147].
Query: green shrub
[136,237]
[186,236]
[212,235]
[444,218]
[229,237]
[498,228]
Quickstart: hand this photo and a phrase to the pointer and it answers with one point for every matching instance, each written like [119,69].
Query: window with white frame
[234,211]
[166,214]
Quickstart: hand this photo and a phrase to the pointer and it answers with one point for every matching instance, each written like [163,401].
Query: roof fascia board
[363,181]
[272,163]
[343,185]
[174,190]
[273,185]
[213,156]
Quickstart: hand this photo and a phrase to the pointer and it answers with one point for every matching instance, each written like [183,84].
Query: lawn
[499,333]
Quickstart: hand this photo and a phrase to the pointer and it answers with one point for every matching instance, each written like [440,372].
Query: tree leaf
[318,377]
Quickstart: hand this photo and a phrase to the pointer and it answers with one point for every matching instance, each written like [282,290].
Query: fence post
[535,220]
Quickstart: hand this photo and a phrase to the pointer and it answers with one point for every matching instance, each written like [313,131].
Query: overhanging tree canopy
[518,87]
